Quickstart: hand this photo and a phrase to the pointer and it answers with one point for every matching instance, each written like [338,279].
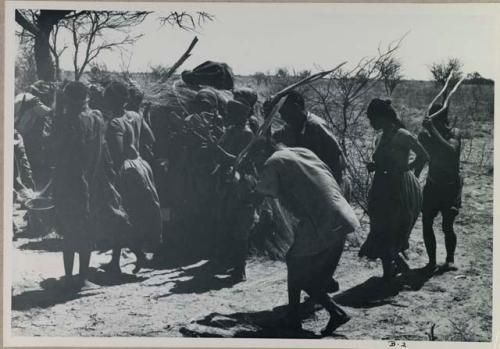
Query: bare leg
[401,265]
[388,269]
[450,238]
[140,259]
[336,252]
[338,316]
[294,290]
[239,260]
[68,258]
[429,239]
[114,265]
[84,263]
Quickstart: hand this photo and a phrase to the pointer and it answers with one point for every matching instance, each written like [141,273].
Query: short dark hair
[294,97]
[116,91]
[76,91]
[380,108]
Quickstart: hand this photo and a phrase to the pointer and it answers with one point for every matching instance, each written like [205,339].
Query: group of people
[114,181]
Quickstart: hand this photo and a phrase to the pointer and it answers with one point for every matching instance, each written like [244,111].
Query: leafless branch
[185,20]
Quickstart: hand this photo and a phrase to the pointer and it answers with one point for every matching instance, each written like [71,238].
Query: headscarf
[135,97]
[246,95]
[383,108]
[205,97]
[116,93]
[237,111]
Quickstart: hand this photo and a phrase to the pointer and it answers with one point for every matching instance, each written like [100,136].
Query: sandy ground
[194,300]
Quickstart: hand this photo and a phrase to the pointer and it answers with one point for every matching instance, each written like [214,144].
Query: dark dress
[135,181]
[394,200]
[89,211]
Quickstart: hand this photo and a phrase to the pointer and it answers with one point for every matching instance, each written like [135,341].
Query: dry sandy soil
[194,300]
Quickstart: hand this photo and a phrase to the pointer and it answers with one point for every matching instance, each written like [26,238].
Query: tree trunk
[41,28]
[44,64]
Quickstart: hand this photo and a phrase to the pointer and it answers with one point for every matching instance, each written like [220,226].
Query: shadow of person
[262,324]
[204,277]
[414,279]
[53,291]
[44,244]
[102,278]
[376,291]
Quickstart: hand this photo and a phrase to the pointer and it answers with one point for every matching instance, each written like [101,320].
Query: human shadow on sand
[58,291]
[200,278]
[44,244]
[53,291]
[262,324]
[377,292]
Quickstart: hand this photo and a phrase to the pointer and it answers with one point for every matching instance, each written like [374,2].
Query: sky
[263,37]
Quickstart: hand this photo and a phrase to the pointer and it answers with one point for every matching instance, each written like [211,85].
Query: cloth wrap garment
[89,211]
[305,186]
[394,200]
[135,181]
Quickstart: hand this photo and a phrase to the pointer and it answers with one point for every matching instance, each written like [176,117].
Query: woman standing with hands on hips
[395,197]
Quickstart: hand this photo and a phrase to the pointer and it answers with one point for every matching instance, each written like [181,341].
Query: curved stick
[447,100]
[440,93]
[277,102]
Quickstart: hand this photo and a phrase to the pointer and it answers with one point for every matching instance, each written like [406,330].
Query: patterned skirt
[394,204]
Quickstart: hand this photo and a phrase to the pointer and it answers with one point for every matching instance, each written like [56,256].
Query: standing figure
[305,186]
[237,209]
[23,179]
[135,178]
[395,197]
[443,188]
[148,140]
[304,129]
[88,208]
[33,120]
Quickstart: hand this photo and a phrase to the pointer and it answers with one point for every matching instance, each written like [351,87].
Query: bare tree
[390,72]
[40,24]
[185,20]
[56,52]
[441,71]
[90,34]
[341,102]
[86,28]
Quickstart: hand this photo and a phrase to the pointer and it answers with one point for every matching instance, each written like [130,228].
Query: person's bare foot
[449,266]
[335,322]
[139,263]
[430,268]
[401,267]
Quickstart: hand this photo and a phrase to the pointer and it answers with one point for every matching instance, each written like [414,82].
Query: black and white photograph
[250,174]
